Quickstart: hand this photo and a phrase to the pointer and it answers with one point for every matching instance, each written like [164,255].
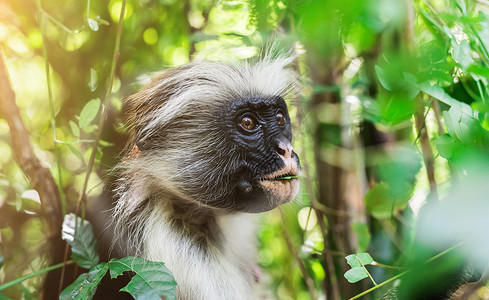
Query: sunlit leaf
[445,145]
[93,24]
[462,54]
[79,234]
[201,36]
[479,70]
[151,280]
[105,143]
[93,82]
[86,284]
[438,93]
[89,112]
[75,151]
[386,80]
[74,129]
[102,21]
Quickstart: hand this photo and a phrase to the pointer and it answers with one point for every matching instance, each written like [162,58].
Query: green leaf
[462,54]
[355,274]
[105,144]
[151,280]
[479,70]
[354,259]
[445,145]
[363,235]
[93,24]
[201,36]
[79,234]
[89,112]
[384,78]
[461,126]
[86,284]
[3,297]
[75,151]
[379,201]
[102,21]
[438,93]
[93,82]
[74,129]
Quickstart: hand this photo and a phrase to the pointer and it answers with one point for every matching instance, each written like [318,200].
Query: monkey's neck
[199,226]
[197,222]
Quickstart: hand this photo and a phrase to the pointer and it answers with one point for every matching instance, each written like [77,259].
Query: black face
[259,134]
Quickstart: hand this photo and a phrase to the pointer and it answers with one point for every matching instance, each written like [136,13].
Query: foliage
[391,126]
[150,280]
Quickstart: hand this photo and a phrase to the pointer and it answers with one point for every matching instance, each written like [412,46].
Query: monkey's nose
[283,147]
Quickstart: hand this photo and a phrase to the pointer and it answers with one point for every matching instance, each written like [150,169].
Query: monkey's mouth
[288,176]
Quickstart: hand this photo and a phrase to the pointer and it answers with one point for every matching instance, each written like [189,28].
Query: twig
[105,104]
[47,69]
[484,2]
[368,273]
[34,274]
[103,115]
[404,273]
[437,112]
[328,258]
[39,176]
[302,268]
[381,265]
[420,120]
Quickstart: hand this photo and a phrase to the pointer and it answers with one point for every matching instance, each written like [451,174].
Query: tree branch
[39,176]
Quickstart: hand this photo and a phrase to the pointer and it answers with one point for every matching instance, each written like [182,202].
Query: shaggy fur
[174,185]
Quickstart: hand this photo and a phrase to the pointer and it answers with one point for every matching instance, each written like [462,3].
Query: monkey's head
[219,134]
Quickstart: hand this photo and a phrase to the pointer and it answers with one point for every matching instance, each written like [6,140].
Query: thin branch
[483,2]
[47,69]
[34,274]
[368,273]
[404,273]
[105,104]
[328,258]
[381,265]
[437,112]
[39,176]
[295,254]
[420,120]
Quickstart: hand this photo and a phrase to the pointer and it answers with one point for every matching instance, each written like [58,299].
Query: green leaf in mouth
[287,177]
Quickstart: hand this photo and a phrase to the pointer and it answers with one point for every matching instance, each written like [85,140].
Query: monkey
[209,147]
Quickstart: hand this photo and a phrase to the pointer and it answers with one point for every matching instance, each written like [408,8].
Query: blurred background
[391,126]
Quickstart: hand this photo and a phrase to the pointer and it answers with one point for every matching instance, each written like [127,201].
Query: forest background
[391,125]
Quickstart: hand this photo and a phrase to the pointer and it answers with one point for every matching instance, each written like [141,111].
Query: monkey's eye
[247,123]
[280,119]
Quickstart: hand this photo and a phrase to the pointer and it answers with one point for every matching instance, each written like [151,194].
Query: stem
[59,24]
[404,273]
[380,285]
[88,9]
[302,268]
[103,115]
[19,280]
[425,144]
[368,273]
[57,153]
[381,265]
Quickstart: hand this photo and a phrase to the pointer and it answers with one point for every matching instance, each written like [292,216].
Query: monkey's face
[259,137]
[216,134]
